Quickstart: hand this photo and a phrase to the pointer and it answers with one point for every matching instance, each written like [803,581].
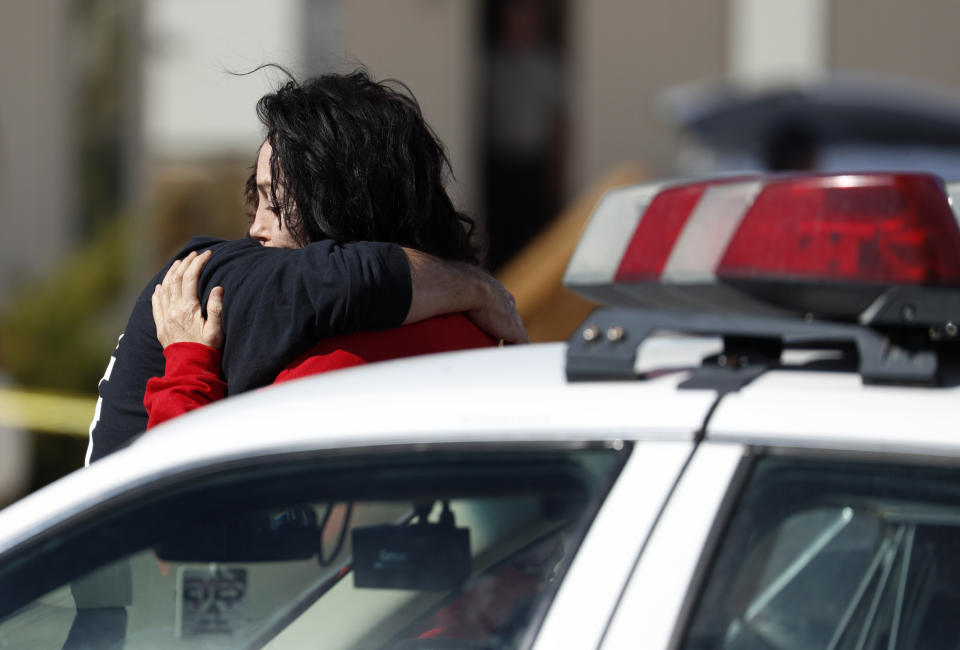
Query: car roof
[835,410]
[454,397]
[513,395]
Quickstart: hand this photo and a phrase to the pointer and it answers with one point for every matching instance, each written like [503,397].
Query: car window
[836,555]
[373,551]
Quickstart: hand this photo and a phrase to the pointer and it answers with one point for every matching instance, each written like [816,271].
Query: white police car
[757,448]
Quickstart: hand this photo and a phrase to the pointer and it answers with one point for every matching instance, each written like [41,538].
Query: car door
[834,551]
[360,548]
[657,594]
[834,523]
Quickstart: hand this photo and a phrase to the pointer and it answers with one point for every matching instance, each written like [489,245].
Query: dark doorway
[524,126]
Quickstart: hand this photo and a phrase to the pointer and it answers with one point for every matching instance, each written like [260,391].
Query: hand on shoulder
[176,305]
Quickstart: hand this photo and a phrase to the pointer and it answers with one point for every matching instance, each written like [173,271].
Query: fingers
[518,331]
[173,277]
[183,276]
[515,332]
[190,275]
[498,315]
[213,328]
[157,303]
[511,324]
[160,302]
[176,304]
[215,305]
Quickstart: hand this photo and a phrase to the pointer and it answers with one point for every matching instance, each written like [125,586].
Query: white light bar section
[953,197]
[607,235]
[708,232]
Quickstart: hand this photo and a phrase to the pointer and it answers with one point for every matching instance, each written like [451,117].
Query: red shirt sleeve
[437,334]
[191,379]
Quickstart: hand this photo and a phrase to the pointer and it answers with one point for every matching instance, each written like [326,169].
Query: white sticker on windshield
[211,602]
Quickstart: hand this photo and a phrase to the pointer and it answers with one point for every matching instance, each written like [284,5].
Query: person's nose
[260,229]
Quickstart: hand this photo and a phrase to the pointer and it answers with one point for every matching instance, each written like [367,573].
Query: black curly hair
[353,159]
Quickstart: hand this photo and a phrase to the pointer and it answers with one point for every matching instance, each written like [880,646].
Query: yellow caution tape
[46,412]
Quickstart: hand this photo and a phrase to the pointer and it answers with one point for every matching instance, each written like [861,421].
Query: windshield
[836,554]
[372,552]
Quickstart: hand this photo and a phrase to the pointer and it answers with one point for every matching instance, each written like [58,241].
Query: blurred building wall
[915,40]
[35,208]
[433,47]
[199,120]
[623,55]
[197,104]
[200,129]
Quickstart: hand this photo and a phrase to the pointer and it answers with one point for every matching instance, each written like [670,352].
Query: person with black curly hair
[352,159]
[355,188]
[344,158]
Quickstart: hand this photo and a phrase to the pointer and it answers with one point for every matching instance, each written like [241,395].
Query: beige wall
[623,54]
[432,47]
[34,210]
[919,39]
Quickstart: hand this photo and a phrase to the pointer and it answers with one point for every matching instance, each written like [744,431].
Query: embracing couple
[355,253]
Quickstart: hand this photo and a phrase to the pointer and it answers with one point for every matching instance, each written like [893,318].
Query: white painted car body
[740,489]
[634,579]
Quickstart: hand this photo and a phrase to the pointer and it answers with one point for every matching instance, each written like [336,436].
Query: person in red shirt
[344,158]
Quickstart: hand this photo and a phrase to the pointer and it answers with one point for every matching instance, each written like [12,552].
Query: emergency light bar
[879,248]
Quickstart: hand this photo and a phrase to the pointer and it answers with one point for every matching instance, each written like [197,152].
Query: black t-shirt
[277,303]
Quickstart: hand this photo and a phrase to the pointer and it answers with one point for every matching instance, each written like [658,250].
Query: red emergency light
[834,246]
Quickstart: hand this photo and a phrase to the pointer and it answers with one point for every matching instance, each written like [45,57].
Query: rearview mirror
[258,536]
